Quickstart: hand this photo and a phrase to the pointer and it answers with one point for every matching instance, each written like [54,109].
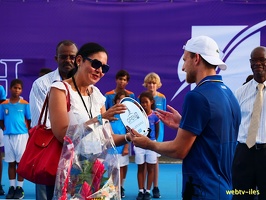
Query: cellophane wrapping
[88,168]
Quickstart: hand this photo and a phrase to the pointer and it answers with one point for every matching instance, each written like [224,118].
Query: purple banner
[140,37]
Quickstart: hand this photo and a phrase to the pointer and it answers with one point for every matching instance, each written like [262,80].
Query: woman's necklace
[89,113]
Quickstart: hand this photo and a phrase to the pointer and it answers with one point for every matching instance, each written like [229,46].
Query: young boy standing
[15,120]
[121,78]
[123,150]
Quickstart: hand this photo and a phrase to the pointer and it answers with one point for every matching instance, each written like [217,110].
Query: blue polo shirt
[211,112]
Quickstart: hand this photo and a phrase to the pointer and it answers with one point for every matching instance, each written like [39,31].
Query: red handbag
[40,159]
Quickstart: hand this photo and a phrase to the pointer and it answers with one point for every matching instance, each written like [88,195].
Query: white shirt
[92,142]
[38,92]
[246,95]
[94,102]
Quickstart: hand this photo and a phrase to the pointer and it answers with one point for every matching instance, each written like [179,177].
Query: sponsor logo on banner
[236,44]
[7,66]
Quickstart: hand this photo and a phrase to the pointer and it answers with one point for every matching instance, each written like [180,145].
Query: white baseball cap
[207,48]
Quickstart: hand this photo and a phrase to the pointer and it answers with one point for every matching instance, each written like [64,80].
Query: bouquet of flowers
[88,168]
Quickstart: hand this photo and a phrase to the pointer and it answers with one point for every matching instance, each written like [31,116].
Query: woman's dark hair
[119,94]
[86,50]
[148,95]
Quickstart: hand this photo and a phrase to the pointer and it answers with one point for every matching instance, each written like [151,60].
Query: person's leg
[19,192]
[151,160]
[141,181]
[124,175]
[141,177]
[2,192]
[20,180]
[10,159]
[140,161]
[243,172]
[19,143]
[123,162]
[40,192]
[261,173]
[150,177]
[50,192]
[121,181]
[155,190]
[156,174]
[121,176]
[12,171]
[12,180]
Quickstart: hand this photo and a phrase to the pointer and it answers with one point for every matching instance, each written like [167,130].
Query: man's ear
[197,58]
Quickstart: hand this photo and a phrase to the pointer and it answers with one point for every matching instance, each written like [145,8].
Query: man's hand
[170,118]
[138,139]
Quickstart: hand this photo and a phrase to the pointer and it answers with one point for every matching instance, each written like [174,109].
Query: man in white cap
[207,132]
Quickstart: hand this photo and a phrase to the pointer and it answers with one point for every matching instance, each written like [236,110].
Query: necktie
[255,118]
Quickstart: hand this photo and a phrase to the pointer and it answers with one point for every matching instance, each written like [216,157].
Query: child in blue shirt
[147,158]
[15,120]
[152,82]
[123,150]
[121,78]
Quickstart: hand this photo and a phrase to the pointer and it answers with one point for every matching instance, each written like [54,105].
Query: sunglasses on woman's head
[96,64]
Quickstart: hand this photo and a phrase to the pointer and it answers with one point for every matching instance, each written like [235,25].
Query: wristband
[127,139]
[100,120]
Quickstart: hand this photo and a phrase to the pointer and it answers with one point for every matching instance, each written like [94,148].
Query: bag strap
[45,106]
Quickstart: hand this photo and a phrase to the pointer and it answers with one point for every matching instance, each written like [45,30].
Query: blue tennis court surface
[170,182]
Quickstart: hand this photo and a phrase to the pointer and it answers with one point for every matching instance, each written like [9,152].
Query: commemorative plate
[135,116]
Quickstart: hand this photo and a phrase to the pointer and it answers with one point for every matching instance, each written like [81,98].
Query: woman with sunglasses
[86,100]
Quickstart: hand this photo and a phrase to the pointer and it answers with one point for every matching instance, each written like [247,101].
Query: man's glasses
[64,57]
[260,60]
[96,64]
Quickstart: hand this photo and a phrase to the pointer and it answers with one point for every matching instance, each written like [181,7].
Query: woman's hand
[171,118]
[116,109]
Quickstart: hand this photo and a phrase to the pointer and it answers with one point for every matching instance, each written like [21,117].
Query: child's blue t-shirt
[118,128]
[14,115]
[2,93]
[153,120]
[160,102]
[111,95]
